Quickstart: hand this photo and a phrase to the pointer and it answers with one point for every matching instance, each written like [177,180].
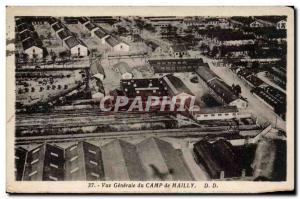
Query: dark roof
[204,155]
[20,21]
[194,63]
[226,157]
[57,26]
[25,26]
[144,86]
[45,162]
[244,20]
[82,20]
[54,155]
[117,92]
[72,41]
[112,41]
[218,156]
[90,26]
[220,109]
[100,33]
[269,32]
[24,35]
[272,19]
[30,43]
[151,44]
[175,85]
[64,34]
[216,84]
[206,74]
[230,35]
[87,158]
[223,90]
[271,95]
[52,20]
[20,159]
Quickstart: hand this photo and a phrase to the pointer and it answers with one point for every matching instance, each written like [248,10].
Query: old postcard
[150,99]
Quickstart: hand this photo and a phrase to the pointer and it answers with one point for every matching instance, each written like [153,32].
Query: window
[74,170]
[226,114]
[212,114]
[74,158]
[91,151]
[53,178]
[32,173]
[95,175]
[73,147]
[54,154]
[220,114]
[93,162]
[34,161]
[35,150]
[53,165]
[205,115]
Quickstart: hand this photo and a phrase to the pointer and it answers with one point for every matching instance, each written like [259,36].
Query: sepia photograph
[171,100]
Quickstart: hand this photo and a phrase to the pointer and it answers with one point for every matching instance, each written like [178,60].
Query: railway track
[175,132]
[179,132]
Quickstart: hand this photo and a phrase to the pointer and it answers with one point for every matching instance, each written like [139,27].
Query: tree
[25,58]
[214,51]
[53,56]
[49,36]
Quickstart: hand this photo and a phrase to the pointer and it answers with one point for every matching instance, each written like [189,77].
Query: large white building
[216,113]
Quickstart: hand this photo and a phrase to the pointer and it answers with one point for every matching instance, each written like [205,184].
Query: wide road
[255,106]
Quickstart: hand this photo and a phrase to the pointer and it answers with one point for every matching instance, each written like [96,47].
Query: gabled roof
[28,43]
[272,19]
[52,20]
[72,42]
[175,85]
[100,33]
[64,34]
[205,73]
[157,154]
[151,44]
[223,90]
[90,26]
[82,20]
[244,20]
[83,162]
[25,26]
[45,162]
[179,48]
[58,26]
[24,35]
[112,41]
[121,161]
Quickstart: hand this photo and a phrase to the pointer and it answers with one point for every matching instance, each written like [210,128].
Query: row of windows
[219,114]
[53,87]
